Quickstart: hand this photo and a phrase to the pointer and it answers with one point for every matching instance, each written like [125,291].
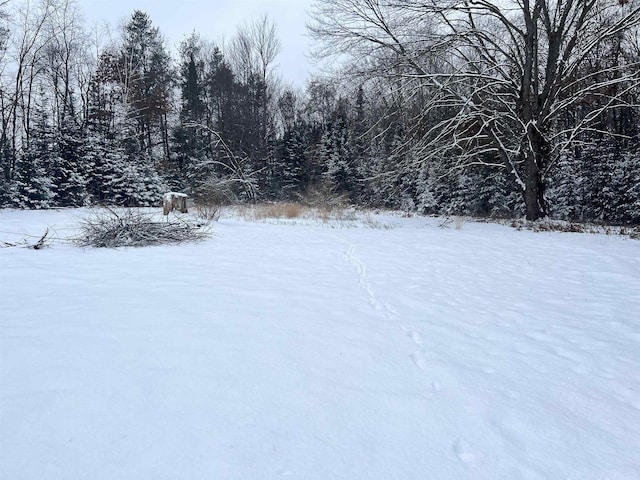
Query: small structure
[174,201]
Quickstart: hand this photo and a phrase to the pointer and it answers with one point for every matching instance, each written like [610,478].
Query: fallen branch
[41,243]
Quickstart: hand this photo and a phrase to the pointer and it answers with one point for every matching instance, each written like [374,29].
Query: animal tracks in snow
[463,451]
[361,269]
[418,357]
[387,310]
[419,360]
[413,335]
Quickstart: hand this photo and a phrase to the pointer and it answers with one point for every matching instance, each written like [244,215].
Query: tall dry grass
[293,210]
[335,216]
[265,211]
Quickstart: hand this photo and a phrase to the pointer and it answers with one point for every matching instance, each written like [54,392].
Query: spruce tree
[147,71]
[337,156]
[188,141]
[290,172]
[66,169]
[35,185]
[7,162]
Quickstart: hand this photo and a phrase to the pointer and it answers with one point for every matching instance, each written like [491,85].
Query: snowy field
[308,351]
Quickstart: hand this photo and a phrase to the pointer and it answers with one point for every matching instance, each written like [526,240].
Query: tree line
[469,107]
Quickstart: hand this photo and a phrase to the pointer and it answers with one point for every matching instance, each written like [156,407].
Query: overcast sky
[217,20]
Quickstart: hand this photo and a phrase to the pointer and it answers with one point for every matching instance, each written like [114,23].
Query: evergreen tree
[600,196]
[220,89]
[7,163]
[566,188]
[118,178]
[629,188]
[133,182]
[66,169]
[393,182]
[106,94]
[436,188]
[188,141]
[34,184]
[336,153]
[97,154]
[191,80]
[359,151]
[32,187]
[291,173]
[147,71]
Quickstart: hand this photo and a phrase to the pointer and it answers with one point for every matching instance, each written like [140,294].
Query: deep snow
[311,351]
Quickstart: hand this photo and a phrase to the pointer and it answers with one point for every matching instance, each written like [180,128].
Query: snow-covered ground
[311,351]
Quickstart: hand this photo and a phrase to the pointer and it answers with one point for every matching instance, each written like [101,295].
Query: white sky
[217,20]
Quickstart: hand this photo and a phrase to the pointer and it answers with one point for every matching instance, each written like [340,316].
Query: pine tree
[359,150]
[94,158]
[105,96]
[599,191]
[629,188]
[437,187]
[191,80]
[7,162]
[188,142]
[148,75]
[336,154]
[392,177]
[566,188]
[117,178]
[290,172]
[35,186]
[66,169]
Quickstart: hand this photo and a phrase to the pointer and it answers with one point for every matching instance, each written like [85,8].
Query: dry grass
[291,211]
[548,225]
[283,210]
[336,214]
[287,210]
[330,215]
[321,197]
[369,222]
[208,212]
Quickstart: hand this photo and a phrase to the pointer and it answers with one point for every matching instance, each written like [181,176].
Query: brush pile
[130,228]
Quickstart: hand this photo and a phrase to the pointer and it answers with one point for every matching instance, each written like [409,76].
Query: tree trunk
[536,159]
[534,191]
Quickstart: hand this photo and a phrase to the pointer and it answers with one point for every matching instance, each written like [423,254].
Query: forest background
[455,107]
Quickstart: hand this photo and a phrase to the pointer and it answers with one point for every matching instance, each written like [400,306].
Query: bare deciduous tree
[254,48]
[66,56]
[252,52]
[26,45]
[505,72]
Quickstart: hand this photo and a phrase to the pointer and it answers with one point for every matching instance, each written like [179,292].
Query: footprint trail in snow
[389,313]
